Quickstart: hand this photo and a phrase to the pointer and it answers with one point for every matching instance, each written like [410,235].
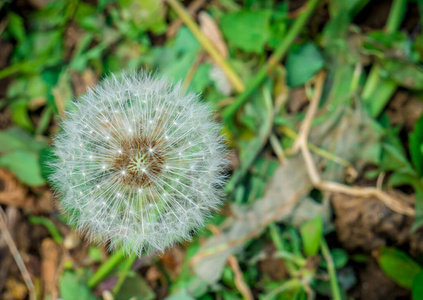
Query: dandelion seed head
[140,163]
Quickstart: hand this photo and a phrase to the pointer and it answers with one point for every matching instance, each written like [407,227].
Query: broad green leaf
[311,234]
[380,42]
[393,157]
[16,27]
[181,295]
[278,24]
[25,165]
[398,266]
[404,73]
[16,138]
[74,287]
[20,114]
[201,78]
[95,254]
[340,258]
[177,57]
[247,30]
[415,142]
[302,63]
[134,287]
[417,287]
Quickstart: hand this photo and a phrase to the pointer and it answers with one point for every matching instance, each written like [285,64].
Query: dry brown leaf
[50,255]
[12,192]
[172,260]
[212,31]
[82,81]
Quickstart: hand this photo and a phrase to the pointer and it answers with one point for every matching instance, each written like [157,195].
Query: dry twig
[234,265]
[335,187]
[19,261]
[192,8]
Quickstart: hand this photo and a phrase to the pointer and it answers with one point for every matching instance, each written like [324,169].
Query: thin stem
[371,83]
[16,255]
[334,286]
[129,261]
[207,45]
[54,232]
[287,285]
[282,253]
[106,268]
[277,147]
[395,18]
[396,15]
[279,53]
[321,152]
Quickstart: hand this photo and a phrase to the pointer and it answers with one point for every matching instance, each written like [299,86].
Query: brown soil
[366,224]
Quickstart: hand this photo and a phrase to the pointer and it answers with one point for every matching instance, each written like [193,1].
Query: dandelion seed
[147,180]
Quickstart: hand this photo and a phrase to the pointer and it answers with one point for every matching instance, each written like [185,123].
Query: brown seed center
[139,161]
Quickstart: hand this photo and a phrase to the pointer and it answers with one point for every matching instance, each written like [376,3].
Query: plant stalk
[106,268]
[279,54]
[336,293]
[374,81]
[207,45]
[129,261]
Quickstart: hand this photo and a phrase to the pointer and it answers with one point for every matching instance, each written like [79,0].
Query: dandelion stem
[106,268]
[129,261]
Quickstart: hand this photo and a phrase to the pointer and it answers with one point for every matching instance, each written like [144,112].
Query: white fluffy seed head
[140,163]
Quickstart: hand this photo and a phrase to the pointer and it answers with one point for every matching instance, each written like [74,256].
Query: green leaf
[181,295]
[311,234]
[201,78]
[278,24]
[415,142]
[46,157]
[135,287]
[247,30]
[16,138]
[16,27]
[95,254]
[393,157]
[417,287]
[177,57]
[25,165]
[20,114]
[340,258]
[406,74]
[398,266]
[73,287]
[302,63]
